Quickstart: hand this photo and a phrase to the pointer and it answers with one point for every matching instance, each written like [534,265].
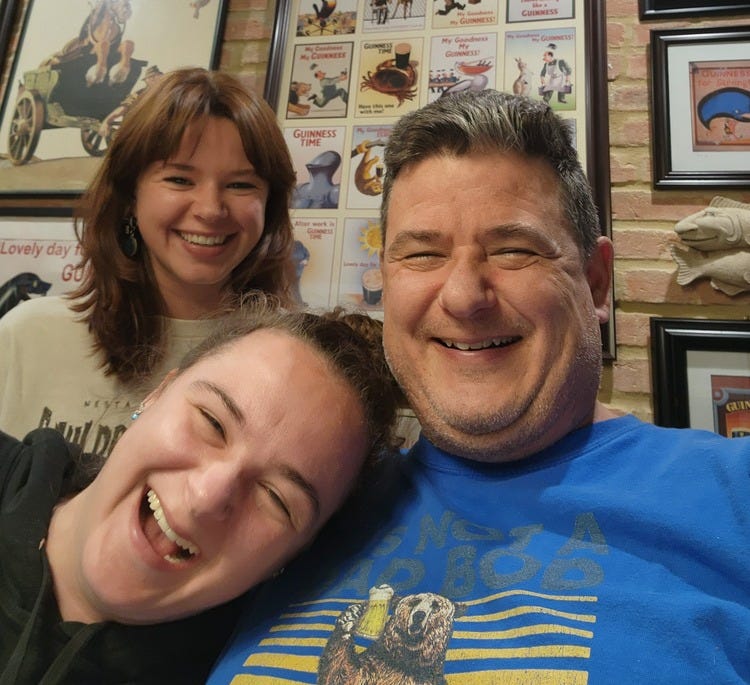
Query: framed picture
[79,65]
[701,107]
[7,12]
[342,73]
[675,9]
[701,374]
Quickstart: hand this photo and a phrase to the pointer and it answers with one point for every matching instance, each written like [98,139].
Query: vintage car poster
[312,254]
[361,284]
[366,168]
[720,92]
[66,94]
[464,13]
[37,258]
[389,77]
[542,65]
[462,62]
[539,10]
[319,85]
[316,155]
[731,403]
[394,15]
[326,17]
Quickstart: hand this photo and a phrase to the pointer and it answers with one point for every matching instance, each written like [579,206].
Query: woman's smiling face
[200,213]
[231,469]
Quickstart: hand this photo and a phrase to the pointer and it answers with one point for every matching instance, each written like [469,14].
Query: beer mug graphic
[375,616]
[372,286]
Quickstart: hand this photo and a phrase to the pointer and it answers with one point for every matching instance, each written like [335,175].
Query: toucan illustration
[733,103]
[326,8]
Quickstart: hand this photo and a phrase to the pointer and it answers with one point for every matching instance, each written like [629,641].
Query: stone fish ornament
[715,245]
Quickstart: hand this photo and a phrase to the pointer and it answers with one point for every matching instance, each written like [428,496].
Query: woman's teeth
[187,548]
[200,239]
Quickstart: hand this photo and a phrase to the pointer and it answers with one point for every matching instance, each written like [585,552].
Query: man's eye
[417,256]
[213,422]
[514,250]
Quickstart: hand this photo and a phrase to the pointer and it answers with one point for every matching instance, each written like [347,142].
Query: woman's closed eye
[213,422]
[276,501]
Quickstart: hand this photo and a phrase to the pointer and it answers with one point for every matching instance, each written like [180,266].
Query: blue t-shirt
[619,554]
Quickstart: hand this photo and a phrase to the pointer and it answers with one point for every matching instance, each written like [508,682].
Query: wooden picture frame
[700,101]
[61,89]
[684,9]
[699,368]
[353,32]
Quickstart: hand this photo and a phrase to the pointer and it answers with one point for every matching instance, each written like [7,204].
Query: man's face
[492,317]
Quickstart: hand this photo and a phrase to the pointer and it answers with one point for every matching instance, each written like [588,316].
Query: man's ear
[159,389]
[599,276]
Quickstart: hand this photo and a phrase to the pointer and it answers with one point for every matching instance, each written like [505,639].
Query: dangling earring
[137,412]
[129,237]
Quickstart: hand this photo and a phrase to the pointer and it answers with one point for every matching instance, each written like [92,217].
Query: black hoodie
[36,646]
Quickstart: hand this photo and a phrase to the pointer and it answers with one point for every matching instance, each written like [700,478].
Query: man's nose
[467,289]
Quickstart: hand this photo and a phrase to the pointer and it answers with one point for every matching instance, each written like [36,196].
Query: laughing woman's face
[231,469]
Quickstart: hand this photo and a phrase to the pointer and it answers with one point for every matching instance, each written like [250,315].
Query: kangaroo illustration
[522,85]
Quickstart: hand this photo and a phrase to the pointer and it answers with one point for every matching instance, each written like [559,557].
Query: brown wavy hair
[118,296]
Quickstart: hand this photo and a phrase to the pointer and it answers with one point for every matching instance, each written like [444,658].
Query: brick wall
[643,219]
[247,40]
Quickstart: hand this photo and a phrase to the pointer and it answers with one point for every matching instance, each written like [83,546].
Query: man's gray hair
[490,122]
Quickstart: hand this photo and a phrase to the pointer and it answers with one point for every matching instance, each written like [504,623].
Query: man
[329,88]
[531,535]
[555,75]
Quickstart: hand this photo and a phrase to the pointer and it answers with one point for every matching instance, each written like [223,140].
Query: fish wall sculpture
[715,244]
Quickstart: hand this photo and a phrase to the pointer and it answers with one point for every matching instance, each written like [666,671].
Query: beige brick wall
[247,40]
[643,219]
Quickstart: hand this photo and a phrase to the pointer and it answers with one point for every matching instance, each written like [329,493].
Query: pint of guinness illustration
[372,286]
[402,52]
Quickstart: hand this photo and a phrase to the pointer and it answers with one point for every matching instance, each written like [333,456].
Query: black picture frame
[671,341]
[596,108]
[7,14]
[22,193]
[684,9]
[669,98]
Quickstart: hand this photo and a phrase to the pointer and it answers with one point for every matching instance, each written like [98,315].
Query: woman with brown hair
[230,468]
[188,210]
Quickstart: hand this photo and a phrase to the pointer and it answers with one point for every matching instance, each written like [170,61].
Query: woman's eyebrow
[226,400]
[186,166]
